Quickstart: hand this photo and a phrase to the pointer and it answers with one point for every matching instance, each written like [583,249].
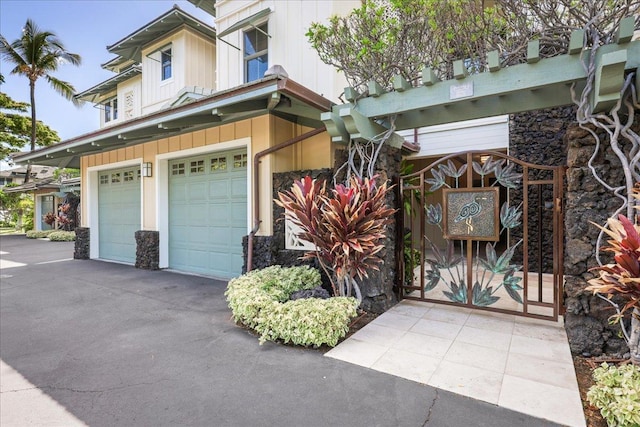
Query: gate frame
[557,229]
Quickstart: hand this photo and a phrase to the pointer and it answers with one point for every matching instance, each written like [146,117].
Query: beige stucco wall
[262,132]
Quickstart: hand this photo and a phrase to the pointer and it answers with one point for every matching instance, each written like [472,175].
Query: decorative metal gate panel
[483,230]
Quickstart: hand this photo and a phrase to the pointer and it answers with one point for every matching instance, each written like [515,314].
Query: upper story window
[165,63]
[256,57]
[110,109]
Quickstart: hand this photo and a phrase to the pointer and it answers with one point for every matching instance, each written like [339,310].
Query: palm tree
[37,54]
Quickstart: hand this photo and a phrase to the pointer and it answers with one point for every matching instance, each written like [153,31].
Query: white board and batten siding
[288,23]
[491,133]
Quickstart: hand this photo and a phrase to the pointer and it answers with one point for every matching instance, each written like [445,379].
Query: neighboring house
[182,119]
[16,175]
[49,194]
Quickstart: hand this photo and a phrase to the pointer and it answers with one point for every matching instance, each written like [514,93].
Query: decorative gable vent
[128,104]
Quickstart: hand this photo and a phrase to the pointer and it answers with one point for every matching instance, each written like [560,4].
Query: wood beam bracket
[362,128]
[335,127]
[609,80]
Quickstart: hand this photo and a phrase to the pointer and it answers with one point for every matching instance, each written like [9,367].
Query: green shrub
[38,234]
[259,300]
[616,393]
[62,236]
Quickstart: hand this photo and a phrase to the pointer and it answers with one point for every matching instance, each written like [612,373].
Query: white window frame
[166,52]
[246,58]
[110,107]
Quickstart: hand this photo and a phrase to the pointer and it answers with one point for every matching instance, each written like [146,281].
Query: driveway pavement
[117,346]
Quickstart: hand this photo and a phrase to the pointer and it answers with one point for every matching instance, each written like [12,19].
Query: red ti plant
[345,225]
[49,218]
[622,277]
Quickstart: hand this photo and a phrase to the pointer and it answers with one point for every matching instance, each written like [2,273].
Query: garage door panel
[212,206]
[197,214]
[239,187]
[218,189]
[223,235]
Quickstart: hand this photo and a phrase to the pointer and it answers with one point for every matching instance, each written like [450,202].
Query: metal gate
[483,230]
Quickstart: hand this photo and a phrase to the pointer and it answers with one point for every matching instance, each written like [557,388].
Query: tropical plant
[345,225]
[49,218]
[37,54]
[15,128]
[622,278]
[616,393]
[260,300]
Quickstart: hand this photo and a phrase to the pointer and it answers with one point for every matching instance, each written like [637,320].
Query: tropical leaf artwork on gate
[488,267]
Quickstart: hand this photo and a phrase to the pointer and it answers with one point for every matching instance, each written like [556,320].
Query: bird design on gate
[469,210]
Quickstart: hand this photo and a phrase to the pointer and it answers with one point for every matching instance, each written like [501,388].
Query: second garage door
[208,213]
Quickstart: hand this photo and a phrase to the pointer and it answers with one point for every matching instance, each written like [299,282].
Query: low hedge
[62,236]
[260,300]
[38,234]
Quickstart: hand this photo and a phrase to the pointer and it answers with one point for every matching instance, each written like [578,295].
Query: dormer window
[165,62]
[110,109]
[256,55]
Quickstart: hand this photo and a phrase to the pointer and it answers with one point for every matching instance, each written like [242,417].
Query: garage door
[119,213]
[208,213]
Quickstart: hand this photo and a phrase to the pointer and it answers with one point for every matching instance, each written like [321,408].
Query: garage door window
[177,169]
[218,164]
[196,166]
[239,161]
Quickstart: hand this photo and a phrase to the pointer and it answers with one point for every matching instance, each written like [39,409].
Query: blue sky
[85,27]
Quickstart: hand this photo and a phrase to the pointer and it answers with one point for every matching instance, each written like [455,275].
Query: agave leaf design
[450,169]
[510,283]
[482,297]
[510,216]
[458,292]
[506,176]
[437,181]
[434,214]
[448,259]
[499,265]
[432,278]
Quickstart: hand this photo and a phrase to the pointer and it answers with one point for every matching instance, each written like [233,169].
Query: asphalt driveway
[119,346]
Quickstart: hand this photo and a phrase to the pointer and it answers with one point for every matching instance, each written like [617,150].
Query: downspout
[256,185]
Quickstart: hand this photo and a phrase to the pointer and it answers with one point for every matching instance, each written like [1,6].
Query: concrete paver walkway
[514,362]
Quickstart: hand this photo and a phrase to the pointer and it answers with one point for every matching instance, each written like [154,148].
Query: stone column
[147,249]
[82,248]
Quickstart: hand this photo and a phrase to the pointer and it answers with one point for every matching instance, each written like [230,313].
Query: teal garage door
[208,213]
[119,213]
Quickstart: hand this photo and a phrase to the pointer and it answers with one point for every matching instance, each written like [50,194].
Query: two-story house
[189,107]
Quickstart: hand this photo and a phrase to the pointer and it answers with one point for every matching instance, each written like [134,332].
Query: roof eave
[67,153]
